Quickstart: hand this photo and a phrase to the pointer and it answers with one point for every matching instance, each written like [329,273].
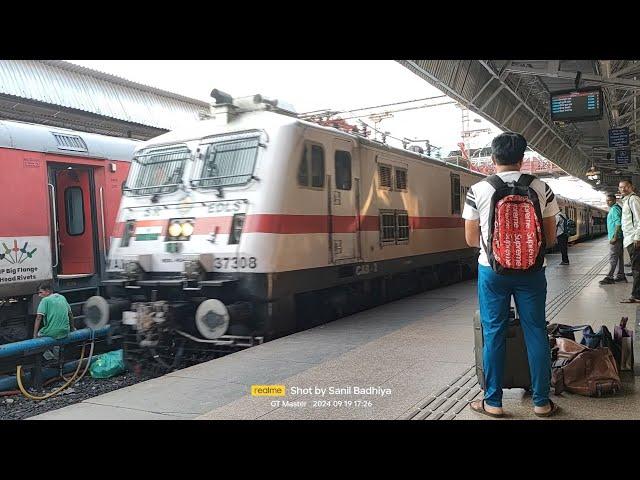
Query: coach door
[73,229]
[343,202]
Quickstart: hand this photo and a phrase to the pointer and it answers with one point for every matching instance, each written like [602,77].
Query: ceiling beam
[613,82]
[626,70]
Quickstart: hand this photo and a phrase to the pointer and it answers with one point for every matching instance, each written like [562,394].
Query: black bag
[516,364]
[601,339]
[559,330]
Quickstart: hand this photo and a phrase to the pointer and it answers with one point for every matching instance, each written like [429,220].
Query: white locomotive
[257,223]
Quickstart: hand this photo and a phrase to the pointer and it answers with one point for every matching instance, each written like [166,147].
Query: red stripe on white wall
[298,224]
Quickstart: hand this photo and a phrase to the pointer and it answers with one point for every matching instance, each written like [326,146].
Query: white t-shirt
[478,202]
[560,223]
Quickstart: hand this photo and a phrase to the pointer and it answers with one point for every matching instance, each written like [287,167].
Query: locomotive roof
[48,139]
[271,121]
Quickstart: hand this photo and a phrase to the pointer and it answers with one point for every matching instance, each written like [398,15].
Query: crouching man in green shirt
[57,316]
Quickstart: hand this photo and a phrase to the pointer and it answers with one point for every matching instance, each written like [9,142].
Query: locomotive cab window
[74,209]
[229,160]
[311,168]
[157,170]
[343,170]
[455,194]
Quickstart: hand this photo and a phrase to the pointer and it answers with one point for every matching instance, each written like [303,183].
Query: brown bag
[582,370]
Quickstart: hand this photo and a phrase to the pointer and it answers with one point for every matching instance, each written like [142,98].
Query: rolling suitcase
[516,364]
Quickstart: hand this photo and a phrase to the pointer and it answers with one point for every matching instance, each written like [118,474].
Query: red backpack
[516,240]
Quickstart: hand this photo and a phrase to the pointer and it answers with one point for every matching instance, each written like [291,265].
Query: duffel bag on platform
[583,370]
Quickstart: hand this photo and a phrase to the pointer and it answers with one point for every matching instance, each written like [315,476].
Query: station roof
[515,96]
[66,95]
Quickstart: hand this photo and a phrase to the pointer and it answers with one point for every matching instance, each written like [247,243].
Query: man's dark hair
[628,180]
[612,196]
[45,286]
[508,148]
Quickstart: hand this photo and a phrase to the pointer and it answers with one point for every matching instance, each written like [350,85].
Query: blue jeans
[494,296]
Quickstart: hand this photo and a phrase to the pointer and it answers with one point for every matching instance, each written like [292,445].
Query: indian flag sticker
[147,233]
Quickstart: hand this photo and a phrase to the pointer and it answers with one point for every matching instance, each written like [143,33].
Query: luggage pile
[589,368]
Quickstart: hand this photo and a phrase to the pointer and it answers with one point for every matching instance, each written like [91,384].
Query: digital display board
[576,105]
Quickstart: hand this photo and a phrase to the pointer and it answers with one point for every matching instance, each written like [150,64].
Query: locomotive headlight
[175,229]
[187,229]
[180,229]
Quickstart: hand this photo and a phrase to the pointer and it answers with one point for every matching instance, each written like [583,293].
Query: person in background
[54,312]
[562,236]
[631,234]
[616,251]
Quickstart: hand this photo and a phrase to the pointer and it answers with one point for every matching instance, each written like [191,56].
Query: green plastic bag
[108,365]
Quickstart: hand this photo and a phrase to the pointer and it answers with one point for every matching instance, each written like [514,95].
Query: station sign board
[619,137]
[623,157]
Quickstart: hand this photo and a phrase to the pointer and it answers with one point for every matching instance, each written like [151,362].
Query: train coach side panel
[433,227]
[25,247]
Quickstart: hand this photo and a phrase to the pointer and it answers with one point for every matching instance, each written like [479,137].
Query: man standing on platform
[528,285]
[616,252]
[631,234]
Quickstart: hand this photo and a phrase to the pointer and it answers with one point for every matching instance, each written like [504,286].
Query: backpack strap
[526,179]
[495,181]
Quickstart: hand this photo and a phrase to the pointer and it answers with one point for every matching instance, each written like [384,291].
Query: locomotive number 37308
[235,262]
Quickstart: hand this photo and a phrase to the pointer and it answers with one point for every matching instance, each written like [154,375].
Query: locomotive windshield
[158,170]
[228,160]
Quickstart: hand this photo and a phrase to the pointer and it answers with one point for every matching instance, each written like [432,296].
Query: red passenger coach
[59,194]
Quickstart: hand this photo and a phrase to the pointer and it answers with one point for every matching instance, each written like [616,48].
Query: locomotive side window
[402,225]
[343,170]
[455,193]
[463,193]
[401,179]
[303,169]
[387,226]
[74,207]
[394,226]
[311,168]
[317,166]
[384,175]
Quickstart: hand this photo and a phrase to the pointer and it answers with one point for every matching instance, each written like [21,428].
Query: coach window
[74,208]
[343,170]
[455,193]
[401,179]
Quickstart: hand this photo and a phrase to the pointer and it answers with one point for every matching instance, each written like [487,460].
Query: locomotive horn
[221,97]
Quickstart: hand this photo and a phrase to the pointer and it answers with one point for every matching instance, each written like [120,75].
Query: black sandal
[483,411]
[553,411]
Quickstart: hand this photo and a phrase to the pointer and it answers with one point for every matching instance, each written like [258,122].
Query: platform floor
[417,353]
